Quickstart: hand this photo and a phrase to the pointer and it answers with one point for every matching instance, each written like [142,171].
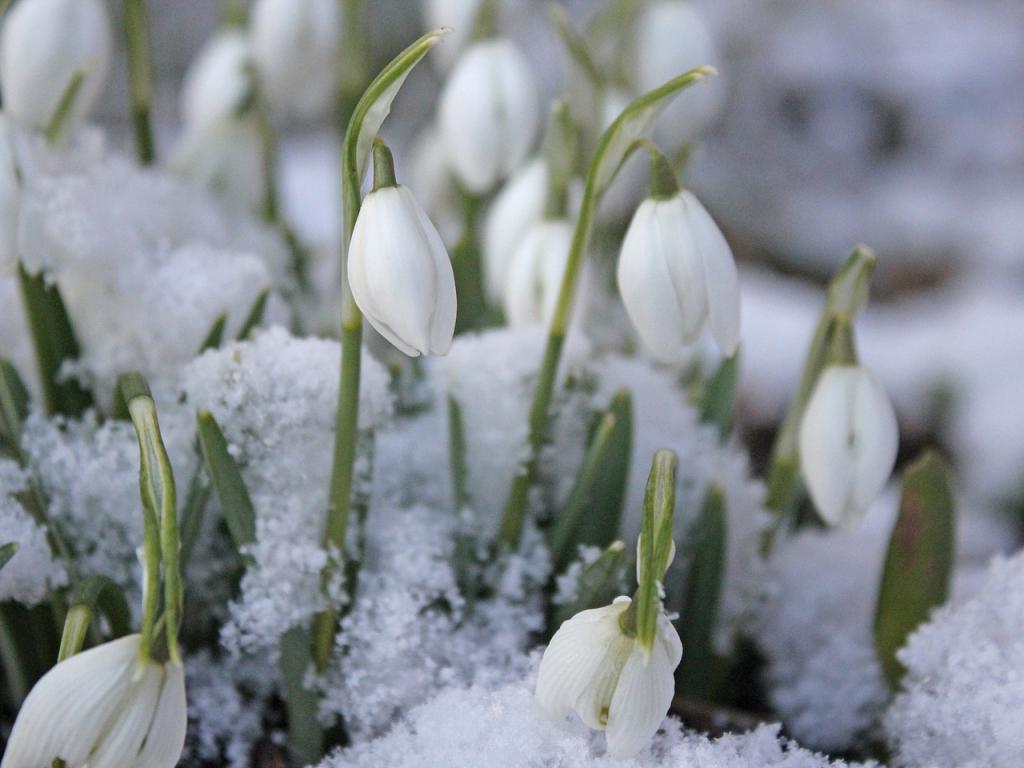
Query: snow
[814,626]
[29,576]
[481,727]
[962,702]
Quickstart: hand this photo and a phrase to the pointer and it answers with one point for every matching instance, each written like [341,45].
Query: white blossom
[295,47]
[516,208]
[676,272]
[217,83]
[44,46]
[488,113]
[536,272]
[102,708]
[848,442]
[401,275]
[608,678]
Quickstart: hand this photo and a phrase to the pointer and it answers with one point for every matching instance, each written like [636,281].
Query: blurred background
[899,124]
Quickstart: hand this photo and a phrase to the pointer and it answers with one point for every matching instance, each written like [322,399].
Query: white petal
[65,713]
[166,737]
[535,276]
[517,207]
[217,82]
[574,656]
[125,732]
[442,321]
[594,703]
[723,287]
[641,701]
[848,440]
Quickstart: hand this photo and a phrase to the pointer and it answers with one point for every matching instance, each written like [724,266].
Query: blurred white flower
[225,158]
[10,196]
[457,15]
[44,46]
[535,274]
[400,273]
[488,113]
[675,272]
[218,83]
[614,684]
[102,708]
[295,48]
[433,184]
[672,38]
[848,443]
[516,208]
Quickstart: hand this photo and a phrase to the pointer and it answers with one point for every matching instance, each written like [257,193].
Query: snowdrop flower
[848,442]
[673,37]
[44,46]
[488,113]
[217,84]
[226,159]
[608,678]
[516,208]
[102,708]
[675,272]
[535,275]
[294,47]
[398,268]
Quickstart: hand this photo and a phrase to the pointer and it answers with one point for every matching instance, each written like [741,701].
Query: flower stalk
[140,77]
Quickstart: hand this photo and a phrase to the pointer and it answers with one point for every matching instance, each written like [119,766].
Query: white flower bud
[488,114]
[457,15]
[535,275]
[217,83]
[295,49]
[594,668]
[516,208]
[400,273]
[44,46]
[675,272]
[848,443]
[672,38]
[102,709]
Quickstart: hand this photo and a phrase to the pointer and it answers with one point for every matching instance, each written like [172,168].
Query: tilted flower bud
[218,83]
[848,443]
[516,208]
[295,48]
[673,38]
[400,273]
[535,275]
[44,46]
[592,667]
[102,708]
[675,272]
[488,114]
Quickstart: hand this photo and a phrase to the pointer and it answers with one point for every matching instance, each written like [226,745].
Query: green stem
[140,77]
[58,122]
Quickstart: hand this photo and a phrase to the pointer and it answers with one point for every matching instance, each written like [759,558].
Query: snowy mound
[33,571]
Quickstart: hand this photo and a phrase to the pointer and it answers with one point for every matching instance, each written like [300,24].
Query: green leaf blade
[227,481]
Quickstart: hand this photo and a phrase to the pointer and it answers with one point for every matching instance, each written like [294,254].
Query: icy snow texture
[89,472]
[33,571]
[275,398]
[962,704]
[145,262]
[411,632]
[815,624]
[477,727]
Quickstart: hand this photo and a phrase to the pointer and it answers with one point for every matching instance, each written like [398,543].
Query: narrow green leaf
[255,316]
[718,407]
[215,336]
[457,454]
[14,403]
[7,551]
[92,593]
[59,119]
[194,510]
[227,481]
[599,583]
[703,589]
[305,737]
[919,562]
[656,546]
[53,338]
[592,514]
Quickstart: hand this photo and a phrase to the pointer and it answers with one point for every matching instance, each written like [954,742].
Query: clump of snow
[503,728]
[276,398]
[815,624]
[33,571]
[962,703]
[145,262]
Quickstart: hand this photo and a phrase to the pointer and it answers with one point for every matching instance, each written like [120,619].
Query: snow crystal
[962,704]
[815,625]
[33,571]
[145,263]
[275,398]
[479,727]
